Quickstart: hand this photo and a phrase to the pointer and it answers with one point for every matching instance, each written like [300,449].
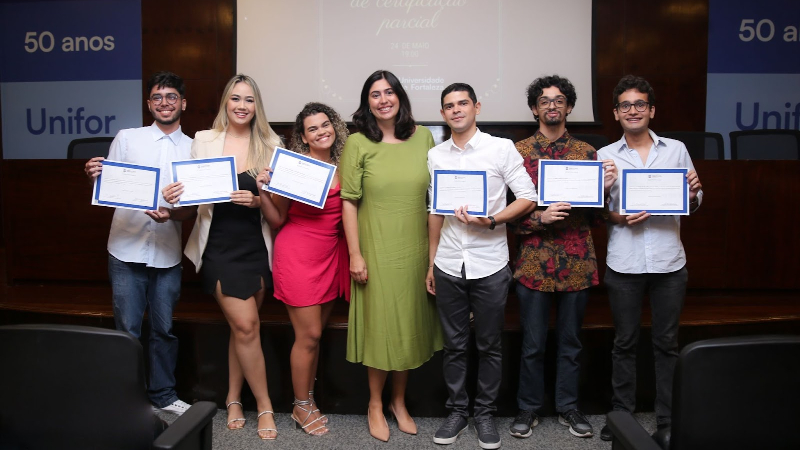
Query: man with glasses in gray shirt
[645,255]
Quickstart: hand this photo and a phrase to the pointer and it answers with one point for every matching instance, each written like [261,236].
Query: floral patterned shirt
[560,256]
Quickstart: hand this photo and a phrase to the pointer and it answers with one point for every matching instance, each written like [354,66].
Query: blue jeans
[534,309]
[137,288]
[625,294]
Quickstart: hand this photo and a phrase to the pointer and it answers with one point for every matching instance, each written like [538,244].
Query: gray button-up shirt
[653,246]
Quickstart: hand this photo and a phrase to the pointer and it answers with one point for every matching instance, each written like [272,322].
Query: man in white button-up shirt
[645,255]
[469,261]
[144,248]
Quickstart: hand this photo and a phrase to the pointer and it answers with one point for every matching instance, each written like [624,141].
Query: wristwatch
[493,224]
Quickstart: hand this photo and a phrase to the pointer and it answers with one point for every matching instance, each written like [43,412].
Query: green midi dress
[393,322]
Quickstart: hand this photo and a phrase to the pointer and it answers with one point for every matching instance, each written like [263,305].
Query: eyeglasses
[158,98]
[640,106]
[560,101]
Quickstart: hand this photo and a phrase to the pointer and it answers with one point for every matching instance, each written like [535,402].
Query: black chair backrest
[89,147]
[71,387]
[597,141]
[701,145]
[765,144]
[737,393]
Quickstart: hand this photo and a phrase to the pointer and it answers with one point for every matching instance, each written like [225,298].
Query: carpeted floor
[350,432]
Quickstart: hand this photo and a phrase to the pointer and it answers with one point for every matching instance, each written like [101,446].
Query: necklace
[328,160]
[238,137]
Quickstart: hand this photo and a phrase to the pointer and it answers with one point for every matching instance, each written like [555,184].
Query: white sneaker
[177,407]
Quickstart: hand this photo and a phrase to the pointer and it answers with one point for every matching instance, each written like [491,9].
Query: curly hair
[536,88]
[365,122]
[633,82]
[263,139]
[339,127]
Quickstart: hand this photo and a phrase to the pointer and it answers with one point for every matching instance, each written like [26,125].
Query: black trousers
[626,293]
[485,297]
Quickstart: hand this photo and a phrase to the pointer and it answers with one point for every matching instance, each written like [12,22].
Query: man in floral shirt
[555,264]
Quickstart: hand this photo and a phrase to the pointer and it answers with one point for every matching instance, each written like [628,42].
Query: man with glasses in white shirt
[645,256]
[144,248]
[469,270]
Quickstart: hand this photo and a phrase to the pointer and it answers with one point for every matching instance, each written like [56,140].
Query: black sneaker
[663,435]
[523,424]
[488,437]
[454,425]
[606,434]
[577,423]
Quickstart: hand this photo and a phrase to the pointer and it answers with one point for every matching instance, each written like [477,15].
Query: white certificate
[657,191]
[207,180]
[300,177]
[456,188]
[578,182]
[129,186]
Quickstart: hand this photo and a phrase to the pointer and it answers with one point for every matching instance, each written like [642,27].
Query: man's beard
[174,118]
[553,121]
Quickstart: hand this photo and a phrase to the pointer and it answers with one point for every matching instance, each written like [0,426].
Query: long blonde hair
[263,138]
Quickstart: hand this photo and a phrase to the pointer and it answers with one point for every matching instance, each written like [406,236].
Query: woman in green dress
[393,325]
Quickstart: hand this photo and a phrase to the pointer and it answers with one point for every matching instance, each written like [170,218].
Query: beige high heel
[258,431]
[405,427]
[305,424]
[240,419]
[383,436]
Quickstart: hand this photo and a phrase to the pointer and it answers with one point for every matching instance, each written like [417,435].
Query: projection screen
[323,50]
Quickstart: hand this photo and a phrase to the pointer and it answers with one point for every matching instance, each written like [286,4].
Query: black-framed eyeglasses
[544,102]
[158,98]
[640,106]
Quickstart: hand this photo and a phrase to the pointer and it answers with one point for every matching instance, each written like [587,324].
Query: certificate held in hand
[456,188]
[300,177]
[662,192]
[206,180]
[580,183]
[129,186]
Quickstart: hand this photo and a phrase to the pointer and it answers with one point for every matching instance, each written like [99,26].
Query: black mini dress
[236,254]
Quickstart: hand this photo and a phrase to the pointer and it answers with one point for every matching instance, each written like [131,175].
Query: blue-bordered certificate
[455,188]
[300,177]
[205,180]
[580,183]
[656,191]
[129,186]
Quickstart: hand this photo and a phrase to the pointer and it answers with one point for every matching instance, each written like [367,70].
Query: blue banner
[68,70]
[753,66]
[745,36]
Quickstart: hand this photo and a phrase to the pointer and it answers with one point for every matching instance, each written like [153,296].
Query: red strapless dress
[311,264]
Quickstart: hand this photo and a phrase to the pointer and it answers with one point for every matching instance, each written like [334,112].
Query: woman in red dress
[311,263]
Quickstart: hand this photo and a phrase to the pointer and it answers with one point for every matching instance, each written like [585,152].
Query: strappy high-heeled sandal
[258,431]
[304,425]
[240,419]
[324,418]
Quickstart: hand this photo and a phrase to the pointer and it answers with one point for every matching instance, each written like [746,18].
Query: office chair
[73,387]
[701,145]
[765,144]
[729,393]
[597,141]
[88,148]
